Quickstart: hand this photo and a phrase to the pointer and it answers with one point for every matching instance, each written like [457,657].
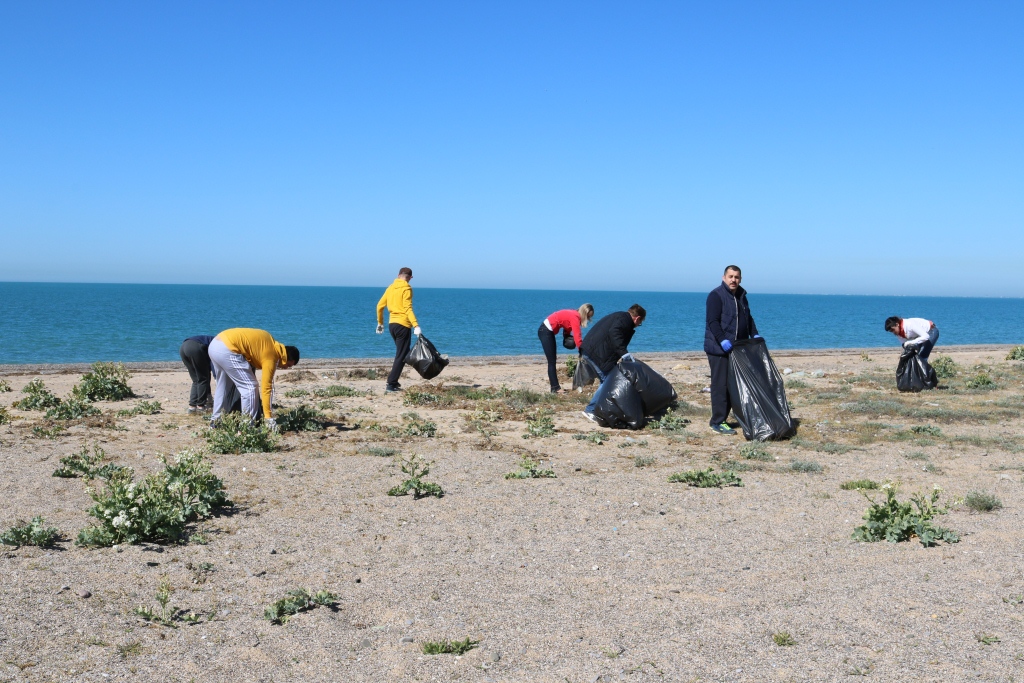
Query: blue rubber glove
[727,346]
[757,336]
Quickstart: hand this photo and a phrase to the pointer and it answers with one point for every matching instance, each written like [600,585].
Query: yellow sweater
[262,352]
[398,300]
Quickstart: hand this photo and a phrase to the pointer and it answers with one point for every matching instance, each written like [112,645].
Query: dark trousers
[547,340]
[197,360]
[720,404]
[403,342]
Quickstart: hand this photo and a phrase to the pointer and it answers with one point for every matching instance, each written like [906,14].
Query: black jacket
[727,317]
[608,340]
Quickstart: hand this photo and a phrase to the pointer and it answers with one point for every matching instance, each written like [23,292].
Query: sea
[76,323]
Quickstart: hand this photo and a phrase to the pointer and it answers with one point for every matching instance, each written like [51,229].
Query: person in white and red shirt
[569,321]
[914,332]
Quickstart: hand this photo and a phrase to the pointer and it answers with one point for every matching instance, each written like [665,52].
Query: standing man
[607,342]
[401,323]
[235,355]
[728,320]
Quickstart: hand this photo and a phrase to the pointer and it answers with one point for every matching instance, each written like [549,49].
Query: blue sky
[857,147]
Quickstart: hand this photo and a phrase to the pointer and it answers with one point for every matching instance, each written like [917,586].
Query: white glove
[380,328]
[271,424]
[909,344]
[416,331]
[628,357]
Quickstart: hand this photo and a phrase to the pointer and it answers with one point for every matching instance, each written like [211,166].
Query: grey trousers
[232,371]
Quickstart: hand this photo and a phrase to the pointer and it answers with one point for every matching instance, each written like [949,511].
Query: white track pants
[232,370]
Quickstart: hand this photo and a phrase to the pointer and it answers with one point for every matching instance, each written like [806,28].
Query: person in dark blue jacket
[728,320]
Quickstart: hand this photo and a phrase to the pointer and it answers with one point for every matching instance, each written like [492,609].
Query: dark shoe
[723,429]
[392,390]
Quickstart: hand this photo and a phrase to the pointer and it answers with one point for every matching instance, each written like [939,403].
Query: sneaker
[591,417]
[192,410]
[392,390]
[723,429]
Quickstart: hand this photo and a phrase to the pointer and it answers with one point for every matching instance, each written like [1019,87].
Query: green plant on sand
[416,468]
[707,478]
[529,468]
[894,521]
[236,433]
[30,533]
[298,600]
[104,382]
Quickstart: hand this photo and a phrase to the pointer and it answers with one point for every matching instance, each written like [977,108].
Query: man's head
[292,353]
[637,313]
[732,277]
[892,324]
[405,274]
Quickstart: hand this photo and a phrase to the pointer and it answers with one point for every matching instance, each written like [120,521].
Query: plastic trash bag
[618,403]
[567,340]
[656,392]
[585,374]
[425,359]
[757,393]
[914,374]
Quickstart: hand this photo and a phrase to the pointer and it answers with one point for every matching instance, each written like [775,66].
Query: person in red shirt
[569,321]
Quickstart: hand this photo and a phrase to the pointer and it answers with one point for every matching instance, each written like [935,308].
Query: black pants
[547,340]
[196,358]
[720,404]
[403,342]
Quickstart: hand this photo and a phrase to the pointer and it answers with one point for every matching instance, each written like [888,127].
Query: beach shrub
[858,484]
[71,408]
[669,422]
[336,390]
[945,367]
[105,382]
[298,600]
[30,533]
[593,437]
[783,639]
[980,381]
[38,397]
[379,451]
[540,426]
[296,393]
[643,461]
[928,430]
[805,466]
[448,647]
[5,416]
[51,431]
[143,408]
[982,501]
[1016,353]
[5,387]
[707,478]
[894,520]
[236,433]
[413,425]
[158,508]
[86,465]
[416,468]
[529,468]
[301,419]
[756,451]
[570,366]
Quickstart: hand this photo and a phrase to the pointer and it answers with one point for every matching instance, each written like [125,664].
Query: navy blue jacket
[728,317]
[608,340]
[202,339]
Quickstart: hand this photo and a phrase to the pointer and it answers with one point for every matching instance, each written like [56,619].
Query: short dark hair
[293,354]
[638,311]
[728,268]
[405,271]
[892,322]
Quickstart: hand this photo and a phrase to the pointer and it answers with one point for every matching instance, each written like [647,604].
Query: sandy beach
[605,572]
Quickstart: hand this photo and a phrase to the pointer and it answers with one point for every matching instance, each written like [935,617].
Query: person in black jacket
[607,342]
[728,320]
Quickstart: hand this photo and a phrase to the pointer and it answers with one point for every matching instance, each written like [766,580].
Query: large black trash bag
[618,403]
[757,393]
[656,392]
[585,374]
[914,374]
[425,359]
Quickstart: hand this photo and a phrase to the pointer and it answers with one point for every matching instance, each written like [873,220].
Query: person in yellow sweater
[235,355]
[401,323]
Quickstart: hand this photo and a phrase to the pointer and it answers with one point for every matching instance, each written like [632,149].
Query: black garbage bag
[585,374]
[567,340]
[656,392]
[914,374]
[425,359]
[618,403]
[757,393]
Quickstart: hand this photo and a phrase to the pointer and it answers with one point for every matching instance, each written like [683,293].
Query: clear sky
[826,147]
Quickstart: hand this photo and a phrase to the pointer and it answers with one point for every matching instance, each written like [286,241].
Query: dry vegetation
[558,551]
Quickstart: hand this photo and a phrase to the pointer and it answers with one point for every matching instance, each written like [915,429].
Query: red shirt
[567,320]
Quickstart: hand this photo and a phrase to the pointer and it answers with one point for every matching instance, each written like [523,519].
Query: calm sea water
[63,323]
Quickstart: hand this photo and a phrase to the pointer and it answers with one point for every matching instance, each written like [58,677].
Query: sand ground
[607,572]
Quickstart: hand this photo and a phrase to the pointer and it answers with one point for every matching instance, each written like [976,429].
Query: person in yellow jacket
[235,355]
[401,321]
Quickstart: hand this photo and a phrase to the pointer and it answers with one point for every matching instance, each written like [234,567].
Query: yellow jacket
[398,300]
[263,354]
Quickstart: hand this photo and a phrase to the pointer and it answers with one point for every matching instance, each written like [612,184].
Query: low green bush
[530,468]
[593,437]
[296,601]
[5,387]
[858,484]
[980,381]
[805,466]
[302,418]
[72,408]
[296,393]
[143,408]
[416,468]
[38,397]
[756,451]
[105,382]
[945,367]
[894,520]
[5,417]
[379,451]
[982,501]
[86,465]
[1016,353]
[570,366]
[540,426]
[448,647]
[236,433]
[31,533]
[707,478]
[336,390]
[669,422]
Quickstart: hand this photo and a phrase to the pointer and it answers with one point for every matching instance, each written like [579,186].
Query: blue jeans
[601,376]
[924,349]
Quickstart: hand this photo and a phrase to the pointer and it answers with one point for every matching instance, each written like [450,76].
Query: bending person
[914,332]
[401,323]
[235,355]
[567,320]
[608,342]
[195,355]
